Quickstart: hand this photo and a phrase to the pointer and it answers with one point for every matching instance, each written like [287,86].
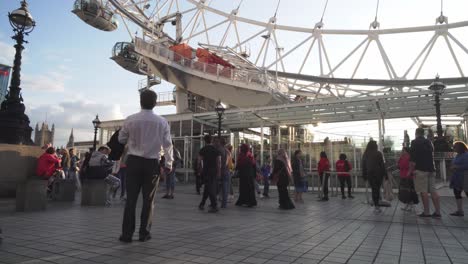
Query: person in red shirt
[406,193]
[343,166]
[323,169]
[48,167]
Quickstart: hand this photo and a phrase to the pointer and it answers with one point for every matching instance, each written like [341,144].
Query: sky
[68,78]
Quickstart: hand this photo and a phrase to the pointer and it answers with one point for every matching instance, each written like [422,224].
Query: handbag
[388,190]
[407,194]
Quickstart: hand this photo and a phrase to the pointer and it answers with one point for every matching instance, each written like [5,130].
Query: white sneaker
[377,210]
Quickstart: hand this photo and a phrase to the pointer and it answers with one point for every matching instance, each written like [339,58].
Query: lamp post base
[14,125]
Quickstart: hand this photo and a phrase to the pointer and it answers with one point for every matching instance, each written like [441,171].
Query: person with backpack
[343,166]
[406,192]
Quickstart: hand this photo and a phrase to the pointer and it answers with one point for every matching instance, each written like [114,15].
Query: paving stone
[331,232]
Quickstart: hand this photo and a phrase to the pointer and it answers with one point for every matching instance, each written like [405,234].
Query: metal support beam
[261,144]
[465,123]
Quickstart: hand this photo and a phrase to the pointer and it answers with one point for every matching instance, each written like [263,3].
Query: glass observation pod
[94,14]
[124,55]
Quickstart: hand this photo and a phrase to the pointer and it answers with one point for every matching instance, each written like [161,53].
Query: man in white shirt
[145,134]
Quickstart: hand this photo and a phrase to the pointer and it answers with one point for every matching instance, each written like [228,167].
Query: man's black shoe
[213,210]
[145,238]
[125,239]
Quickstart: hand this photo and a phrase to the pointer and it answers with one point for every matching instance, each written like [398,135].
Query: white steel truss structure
[304,71]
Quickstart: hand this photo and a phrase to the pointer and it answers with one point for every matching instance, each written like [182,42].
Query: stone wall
[17,162]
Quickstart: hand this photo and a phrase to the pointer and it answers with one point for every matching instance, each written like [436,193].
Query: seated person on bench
[48,167]
[100,167]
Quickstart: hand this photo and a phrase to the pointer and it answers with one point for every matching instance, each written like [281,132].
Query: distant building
[71,140]
[81,147]
[43,135]
[4,78]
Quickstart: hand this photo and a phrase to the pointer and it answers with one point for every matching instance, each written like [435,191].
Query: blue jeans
[170,181]
[226,188]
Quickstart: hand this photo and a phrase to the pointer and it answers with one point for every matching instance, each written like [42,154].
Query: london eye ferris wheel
[195,43]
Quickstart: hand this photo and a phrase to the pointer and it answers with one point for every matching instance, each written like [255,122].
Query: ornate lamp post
[220,111]
[96,124]
[14,123]
[437,88]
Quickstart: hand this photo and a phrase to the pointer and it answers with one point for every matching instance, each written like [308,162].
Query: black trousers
[344,180]
[198,183]
[325,185]
[210,190]
[141,176]
[375,185]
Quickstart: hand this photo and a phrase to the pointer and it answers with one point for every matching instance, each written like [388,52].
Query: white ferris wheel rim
[273,26]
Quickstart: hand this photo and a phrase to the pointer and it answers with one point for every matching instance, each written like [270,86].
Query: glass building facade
[4,78]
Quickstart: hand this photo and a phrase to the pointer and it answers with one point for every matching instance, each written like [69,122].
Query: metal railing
[247,77]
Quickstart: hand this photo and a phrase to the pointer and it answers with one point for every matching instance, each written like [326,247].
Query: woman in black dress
[245,167]
[282,175]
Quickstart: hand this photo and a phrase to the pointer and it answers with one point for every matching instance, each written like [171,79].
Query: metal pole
[438,115]
[201,136]
[465,121]
[219,125]
[271,146]
[279,137]
[95,138]
[380,134]
[261,144]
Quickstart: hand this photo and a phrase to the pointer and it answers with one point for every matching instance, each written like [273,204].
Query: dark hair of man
[323,154]
[371,146]
[222,141]
[343,156]
[50,150]
[148,99]
[297,152]
[207,139]
[70,150]
[419,131]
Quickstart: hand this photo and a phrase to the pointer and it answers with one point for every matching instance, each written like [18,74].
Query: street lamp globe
[21,19]
[437,86]
[219,108]
[96,122]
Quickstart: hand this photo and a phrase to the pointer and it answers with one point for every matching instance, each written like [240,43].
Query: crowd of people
[133,162]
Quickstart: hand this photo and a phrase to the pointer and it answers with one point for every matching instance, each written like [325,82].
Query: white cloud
[50,81]
[7,53]
[76,114]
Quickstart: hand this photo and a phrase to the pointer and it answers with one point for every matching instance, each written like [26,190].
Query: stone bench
[93,192]
[64,190]
[31,195]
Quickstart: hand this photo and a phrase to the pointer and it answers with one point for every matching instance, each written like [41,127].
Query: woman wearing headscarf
[282,174]
[458,182]
[298,175]
[245,167]
[373,170]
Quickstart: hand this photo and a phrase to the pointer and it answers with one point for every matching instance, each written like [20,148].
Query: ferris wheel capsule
[93,13]
[125,56]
